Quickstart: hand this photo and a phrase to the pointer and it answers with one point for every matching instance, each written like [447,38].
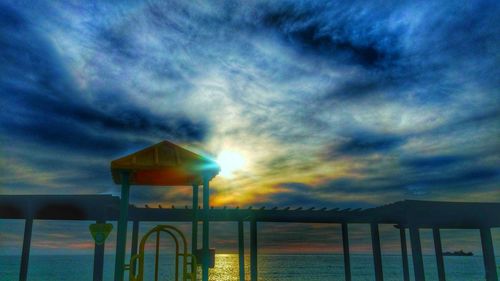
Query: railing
[184,255]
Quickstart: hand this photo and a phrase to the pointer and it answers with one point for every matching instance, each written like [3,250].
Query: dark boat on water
[460,253]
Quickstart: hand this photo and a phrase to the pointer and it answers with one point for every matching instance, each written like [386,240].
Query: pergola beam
[404,254]
[416,251]
[377,253]
[345,247]
[28,230]
[253,250]
[488,254]
[438,249]
[241,250]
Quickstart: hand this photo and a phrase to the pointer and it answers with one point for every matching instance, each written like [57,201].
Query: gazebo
[163,164]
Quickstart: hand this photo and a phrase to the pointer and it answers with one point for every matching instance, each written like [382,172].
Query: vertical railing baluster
[157,256]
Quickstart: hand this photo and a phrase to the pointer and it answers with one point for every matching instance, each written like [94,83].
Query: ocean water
[271,268]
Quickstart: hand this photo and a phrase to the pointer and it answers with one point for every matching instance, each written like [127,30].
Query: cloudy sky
[339,104]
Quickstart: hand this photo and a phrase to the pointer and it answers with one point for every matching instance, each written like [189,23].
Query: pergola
[163,164]
[409,214]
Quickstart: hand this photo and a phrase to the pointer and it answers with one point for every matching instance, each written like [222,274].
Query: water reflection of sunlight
[226,268]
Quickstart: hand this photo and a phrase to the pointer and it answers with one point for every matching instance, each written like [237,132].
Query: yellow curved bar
[157,254]
[158,229]
[172,231]
[132,266]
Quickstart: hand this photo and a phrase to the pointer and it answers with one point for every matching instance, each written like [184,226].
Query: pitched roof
[164,164]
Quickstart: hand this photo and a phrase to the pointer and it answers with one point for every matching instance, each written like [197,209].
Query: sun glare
[230,162]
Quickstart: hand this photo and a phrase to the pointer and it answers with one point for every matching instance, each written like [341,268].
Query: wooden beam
[206,246]
[121,233]
[253,250]
[488,255]
[377,253]
[194,222]
[439,254]
[404,254]
[345,247]
[241,250]
[28,229]
[416,251]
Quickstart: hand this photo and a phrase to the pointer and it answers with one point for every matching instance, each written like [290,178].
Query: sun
[230,162]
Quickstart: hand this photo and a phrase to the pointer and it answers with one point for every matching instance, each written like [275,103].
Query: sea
[271,267]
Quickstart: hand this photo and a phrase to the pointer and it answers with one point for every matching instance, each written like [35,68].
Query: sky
[336,104]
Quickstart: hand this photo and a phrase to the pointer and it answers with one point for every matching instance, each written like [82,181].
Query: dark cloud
[465,177]
[312,30]
[356,89]
[10,17]
[433,162]
[303,195]
[363,143]
[471,121]
[51,109]
[117,40]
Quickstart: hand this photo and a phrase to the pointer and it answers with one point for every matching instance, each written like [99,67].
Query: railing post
[377,253]
[345,247]
[121,234]
[439,254]
[404,254]
[253,250]
[416,251]
[241,250]
[98,258]
[135,241]
[488,254]
[28,229]
[206,246]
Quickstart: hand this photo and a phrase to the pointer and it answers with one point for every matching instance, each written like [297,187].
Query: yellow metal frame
[174,233]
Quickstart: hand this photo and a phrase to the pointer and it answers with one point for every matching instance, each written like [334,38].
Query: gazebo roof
[164,164]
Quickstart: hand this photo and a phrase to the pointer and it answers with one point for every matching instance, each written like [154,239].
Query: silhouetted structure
[163,164]
[410,214]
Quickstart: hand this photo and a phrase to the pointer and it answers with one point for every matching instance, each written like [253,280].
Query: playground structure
[163,164]
[170,165]
[189,263]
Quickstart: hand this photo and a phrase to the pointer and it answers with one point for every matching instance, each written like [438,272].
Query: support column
[416,251]
[404,254]
[439,254]
[98,258]
[253,250]
[206,246]
[135,240]
[377,253]
[347,257]
[121,235]
[488,254]
[241,250]
[28,229]
[194,225]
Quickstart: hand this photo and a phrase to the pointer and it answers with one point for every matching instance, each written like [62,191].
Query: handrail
[172,231]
